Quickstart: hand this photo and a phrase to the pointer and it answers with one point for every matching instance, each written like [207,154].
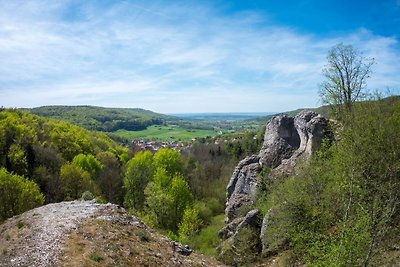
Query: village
[154,146]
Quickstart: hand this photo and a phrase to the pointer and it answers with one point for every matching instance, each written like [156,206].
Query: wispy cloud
[167,58]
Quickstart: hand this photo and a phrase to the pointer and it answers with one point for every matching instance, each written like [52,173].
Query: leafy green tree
[88,162]
[69,139]
[75,181]
[159,205]
[139,172]
[167,198]
[181,198]
[17,194]
[110,177]
[346,75]
[168,159]
[17,160]
[189,225]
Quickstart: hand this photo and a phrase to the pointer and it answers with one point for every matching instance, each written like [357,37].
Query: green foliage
[75,181]
[207,238]
[17,194]
[110,177]
[88,163]
[342,204]
[241,250]
[37,148]
[20,224]
[143,235]
[159,205]
[95,256]
[345,75]
[167,199]
[154,183]
[181,198]
[165,133]
[87,195]
[102,119]
[189,225]
[139,172]
[168,159]
[245,144]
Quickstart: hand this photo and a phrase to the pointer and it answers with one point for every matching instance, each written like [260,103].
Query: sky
[188,56]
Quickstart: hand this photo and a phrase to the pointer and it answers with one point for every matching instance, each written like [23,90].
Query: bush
[17,194]
[87,195]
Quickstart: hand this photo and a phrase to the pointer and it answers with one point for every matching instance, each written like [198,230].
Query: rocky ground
[85,233]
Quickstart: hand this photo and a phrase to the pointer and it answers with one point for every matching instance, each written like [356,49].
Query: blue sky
[187,56]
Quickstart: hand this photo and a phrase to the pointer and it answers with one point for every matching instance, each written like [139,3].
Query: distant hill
[103,119]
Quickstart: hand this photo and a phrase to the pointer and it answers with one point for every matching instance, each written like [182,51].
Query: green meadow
[165,133]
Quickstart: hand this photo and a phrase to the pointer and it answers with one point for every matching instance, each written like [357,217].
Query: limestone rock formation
[286,141]
[242,186]
[280,141]
[251,220]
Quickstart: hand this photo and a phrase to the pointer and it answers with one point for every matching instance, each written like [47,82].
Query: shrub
[17,194]
[87,195]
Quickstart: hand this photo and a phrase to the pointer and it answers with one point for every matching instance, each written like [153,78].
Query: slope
[103,119]
[85,233]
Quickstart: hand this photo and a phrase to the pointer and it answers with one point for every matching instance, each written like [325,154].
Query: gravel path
[35,237]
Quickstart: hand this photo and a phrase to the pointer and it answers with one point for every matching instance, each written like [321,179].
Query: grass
[207,239]
[20,224]
[94,256]
[143,235]
[165,133]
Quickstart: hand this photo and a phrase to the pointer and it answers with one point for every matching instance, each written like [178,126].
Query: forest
[46,160]
[348,189]
[103,119]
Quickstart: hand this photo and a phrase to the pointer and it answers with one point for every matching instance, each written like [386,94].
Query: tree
[89,163]
[190,224]
[110,178]
[139,173]
[168,159]
[346,74]
[75,181]
[167,198]
[17,194]
[181,198]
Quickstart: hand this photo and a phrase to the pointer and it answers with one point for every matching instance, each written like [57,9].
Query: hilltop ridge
[85,233]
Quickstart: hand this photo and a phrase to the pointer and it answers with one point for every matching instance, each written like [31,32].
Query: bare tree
[346,74]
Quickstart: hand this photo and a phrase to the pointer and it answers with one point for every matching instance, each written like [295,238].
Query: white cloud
[166,58]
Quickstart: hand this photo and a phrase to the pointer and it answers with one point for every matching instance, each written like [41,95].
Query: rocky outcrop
[287,140]
[280,141]
[242,186]
[86,233]
[251,220]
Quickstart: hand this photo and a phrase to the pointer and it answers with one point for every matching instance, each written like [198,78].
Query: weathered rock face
[280,141]
[286,141]
[242,186]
